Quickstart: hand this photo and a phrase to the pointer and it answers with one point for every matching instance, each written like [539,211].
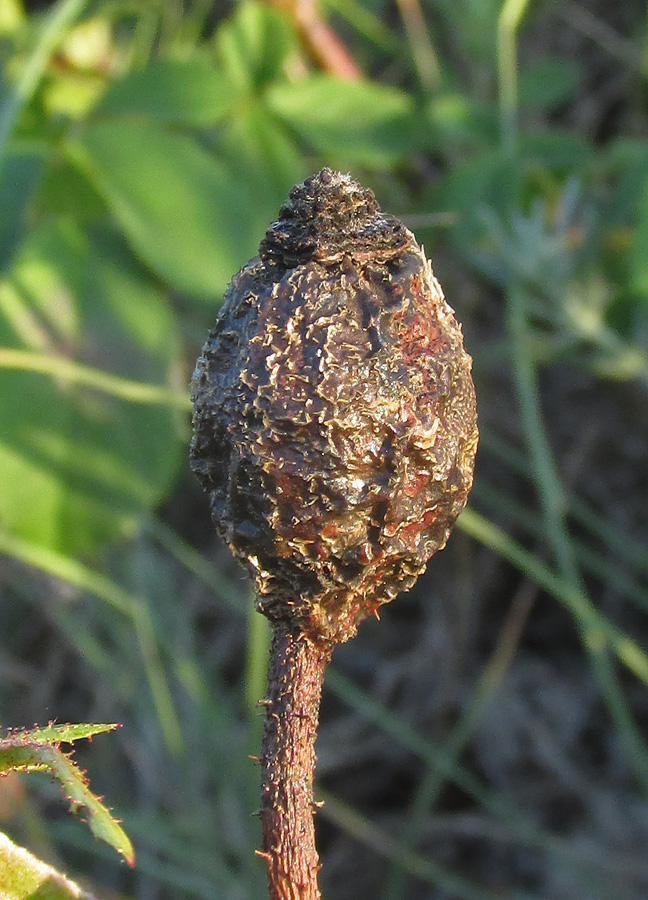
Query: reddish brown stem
[295,677]
[320,39]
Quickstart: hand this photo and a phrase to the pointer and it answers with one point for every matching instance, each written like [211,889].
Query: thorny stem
[295,676]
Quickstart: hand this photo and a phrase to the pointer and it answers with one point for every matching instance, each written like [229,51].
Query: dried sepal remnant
[334,411]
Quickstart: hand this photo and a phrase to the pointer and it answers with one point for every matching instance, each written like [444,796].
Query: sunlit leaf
[68,733]
[77,466]
[24,877]
[252,47]
[259,150]
[101,822]
[182,209]
[188,92]
[89,45]
[360,123]
[72,94]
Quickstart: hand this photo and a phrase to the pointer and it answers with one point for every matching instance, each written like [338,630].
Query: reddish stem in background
[295,677]
[320,39]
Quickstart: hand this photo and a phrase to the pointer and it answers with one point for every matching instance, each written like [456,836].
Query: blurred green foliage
[144,148]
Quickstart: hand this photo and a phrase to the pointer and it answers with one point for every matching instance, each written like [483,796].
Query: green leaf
[547,82]
[12,16]
[353,123]
[20,175]
[188,92]
[20,755]
[78,466]
[252,47]
[24,877]
[67,734]
[259,150]
[72,94]
[34,751]
[81,798]
[182,209]
[65,190]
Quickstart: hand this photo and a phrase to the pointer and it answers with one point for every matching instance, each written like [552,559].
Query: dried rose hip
[335,423]
[335,430]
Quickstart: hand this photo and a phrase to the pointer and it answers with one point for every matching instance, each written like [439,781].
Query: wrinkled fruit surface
[335,423]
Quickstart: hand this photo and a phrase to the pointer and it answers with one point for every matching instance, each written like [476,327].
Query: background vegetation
[488,738]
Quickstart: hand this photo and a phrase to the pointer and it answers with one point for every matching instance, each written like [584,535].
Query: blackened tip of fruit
[335,421]
[327,216]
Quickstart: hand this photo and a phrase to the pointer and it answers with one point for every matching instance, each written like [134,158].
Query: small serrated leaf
[67,734]
[101,822]
[38,751]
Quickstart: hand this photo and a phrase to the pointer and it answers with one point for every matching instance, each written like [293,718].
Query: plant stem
[508,24]
[295,676]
